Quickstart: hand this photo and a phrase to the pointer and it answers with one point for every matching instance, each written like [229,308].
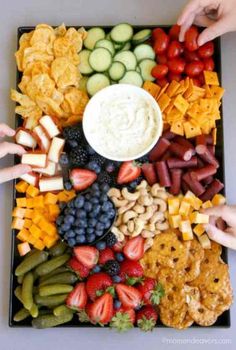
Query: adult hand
[224,236]
[218,15]
[10,173]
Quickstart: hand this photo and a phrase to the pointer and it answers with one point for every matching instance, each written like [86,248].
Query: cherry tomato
[174,32]
[176,65]
[156,32]
[191,56]
[161,43]
[191,37]
[160,71]
[201,78]
[162,82]
[197,82]
[174,49]
[206,50]
[173,76]
[193,69]
[162,59]
[209,64]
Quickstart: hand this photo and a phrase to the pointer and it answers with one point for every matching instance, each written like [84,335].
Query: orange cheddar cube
[23,235]
[27,223]
[19,212]
[53,210]
[39,244]
[184,208]
[37,216]
[70,194]
[47,227]
[50,198]
[199,230]
[23,248]
[218,199]
[173,205]
[198,218]
[29,213]
[62,197]
[38,202]
[30,203]
[32,191]
[31,239]
[21,202]
[21,186]
[17,224]
[207,204]
[174,221]
[204,241]
[49,241]
[35,231]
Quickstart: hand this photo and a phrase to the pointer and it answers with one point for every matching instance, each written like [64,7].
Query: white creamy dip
[123,124]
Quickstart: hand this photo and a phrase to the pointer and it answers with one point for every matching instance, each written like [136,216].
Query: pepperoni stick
[166,156]
[163,174]
[195,186]
[209,139]
[182,141]
[200,163]
[203,173]
[169,135]
[211,149]
[149,173]
[201,140]
[185,187]
[215,187]
[180,151]
[159,149]
[206,155]
[176,175]
[178,163]
[208,180]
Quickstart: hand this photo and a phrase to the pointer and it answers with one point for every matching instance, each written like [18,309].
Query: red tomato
[176,65]
[160,71]
[174,49]
[196,82]
[174,32]
[156,32]
[191,37]
[162,59]
[173,76]
[161,43]
[162,82]
[193,69]
[206,50]
[191,56]
[209,64]
[201,78]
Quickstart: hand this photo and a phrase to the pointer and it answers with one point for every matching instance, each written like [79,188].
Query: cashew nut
[143,184]
[130,196]
[119,235]
[123,229]
[114,192]
[150,227]
[147,234]
[155,189]
[143,192]
[130,226]
[122,210]
[158,216]
[118,221]
[128,215]
[162,226]
[119,202]
[138,227]
[139,209]
[162,206]
[147,215]
[148,244]
[162,194]
[145,200]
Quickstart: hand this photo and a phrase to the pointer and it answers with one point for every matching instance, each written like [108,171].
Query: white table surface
[14,13]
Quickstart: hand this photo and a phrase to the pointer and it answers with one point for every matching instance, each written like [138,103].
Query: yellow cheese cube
[39,244]
[173,205]
[35,231]
[186,229]
[21,202]
[199,230]
[37,216]
[23,248]
[31,239]
[184,208]
[21,186]
[38,202]
[19,212]
[187,236]
[207,204]
[29,213]
[30,203]
[198,218]
[205,242]
[32,191]
[49,241]
[50,198]
[27,223]
[17,223]
[174,220]
[23,235]
[218,199]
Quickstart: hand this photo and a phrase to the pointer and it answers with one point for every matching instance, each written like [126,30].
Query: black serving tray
[14,305]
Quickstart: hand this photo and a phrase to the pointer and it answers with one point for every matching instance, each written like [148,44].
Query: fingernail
[12,132]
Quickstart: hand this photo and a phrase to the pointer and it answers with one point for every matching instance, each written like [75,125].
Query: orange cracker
[211,78]
[181,104]
[152,88]
[163,101]
[162,91]
[172,88]
[191,130]
[177,128]
[217,92]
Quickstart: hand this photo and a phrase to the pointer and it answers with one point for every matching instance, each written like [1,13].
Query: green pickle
[58,249]
[47,321]
[50,301]
[30,262]
[54,272]
[34,311]
[61,310]
[21,315]
[27,291]
[64,278]
[52,264]
[18,293]
[53,289]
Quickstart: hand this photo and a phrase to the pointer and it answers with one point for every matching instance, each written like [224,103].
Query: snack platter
[224,319]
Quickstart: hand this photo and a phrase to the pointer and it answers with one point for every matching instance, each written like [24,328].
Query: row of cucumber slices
[117,57]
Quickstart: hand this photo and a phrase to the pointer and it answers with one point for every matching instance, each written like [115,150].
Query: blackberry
[104,178]
[72,133]
[110,166]
[112,267]
[78,157]
[132,185]
[111,239]
[98,159]
[92,165]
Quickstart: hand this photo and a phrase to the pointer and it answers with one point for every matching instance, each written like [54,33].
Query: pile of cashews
[143,212]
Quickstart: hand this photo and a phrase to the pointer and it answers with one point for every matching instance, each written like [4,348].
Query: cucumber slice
[100,59]
[106,44]
[117,71]
[142,36]
[133,78]
[119,47]
[138,69]
[122,33]
[127,47]
[146,66]
[93,35]
[144,51]
[96,83]
[83,83]
[84,66]
[127,58]
[108,36]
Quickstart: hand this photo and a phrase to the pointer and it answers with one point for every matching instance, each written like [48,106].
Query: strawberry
[82,178]
[77,298]
[97,284]
[86,255]
[101,311]
[105,255]
[134,248]
[129,296]
[149,173]
[151,291]
[123,320]
[118,247]
[128,172]
[131,271]
[147,318]
[81,270]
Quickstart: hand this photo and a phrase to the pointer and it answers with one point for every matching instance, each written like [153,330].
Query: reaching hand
[224,236]
[11,148]
[218,15]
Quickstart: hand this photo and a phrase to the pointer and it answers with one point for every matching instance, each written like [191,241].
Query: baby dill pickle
[47,321]
[54,272]
[58,249]
[61,310]
[52,264]
[64,278]
[21,315]
[34,311]
[20,279]
[50,301]
[53,289]
[18,293]
[30,262]
[27,291]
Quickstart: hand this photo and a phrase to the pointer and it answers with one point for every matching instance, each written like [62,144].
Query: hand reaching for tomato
[219,16]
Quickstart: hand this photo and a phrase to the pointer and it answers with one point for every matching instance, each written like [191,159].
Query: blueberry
[96,269]
[94,200]
[69,219]
[60,231]
[104,188]
[88,206]
[68,185]
[59,220]
[90,150]
[71,204]
[91,238]
[104,218]
[67,211]
[92,222]
[65,227]
[99,233]
[94,166]
[100,226]
[95,187]
[81,214]
[101,245]
[116,279]
[81,223]
[73,143]
[70,234]
[97,193]
[111,214]
[71,242]
[117,304]
[62,205]
[120,257]
[106,206]
[79,201]
[79,231]
[64,159]
[103,198]
[87,196]
[90,231]
[80,239]
[96,210]
[92,214]
[107,224]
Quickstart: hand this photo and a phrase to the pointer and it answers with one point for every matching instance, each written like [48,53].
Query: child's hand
[218,15]
[11,148]
[224,236]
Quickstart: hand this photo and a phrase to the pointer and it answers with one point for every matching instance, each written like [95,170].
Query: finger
[221,237]
[230,230]
[14,172]
[213,31]
[189,9]
[10,148]
[185,26]
[5,130]
[227,213]
[203,21]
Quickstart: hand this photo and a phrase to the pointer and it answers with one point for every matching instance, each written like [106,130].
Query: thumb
[213,31]
[14,172]
[221,237]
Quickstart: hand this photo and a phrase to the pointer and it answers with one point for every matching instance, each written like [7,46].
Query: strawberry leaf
[121,322]
[133,280]
[157,293]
